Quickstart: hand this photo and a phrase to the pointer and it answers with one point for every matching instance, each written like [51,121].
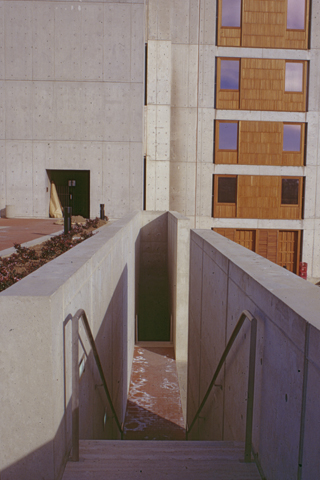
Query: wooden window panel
[293,211]
[223,209]
[262,86]
[296,15]
[227,35]
[226,232]
[296,101]
[224,156]
[260,143]
[289,250]
[267,244]
[263,25]
[227,99]
[292,157]
[258,196]
[279,246]
[246,238]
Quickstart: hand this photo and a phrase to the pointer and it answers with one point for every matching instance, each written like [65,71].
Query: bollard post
[102,215]
[67,219]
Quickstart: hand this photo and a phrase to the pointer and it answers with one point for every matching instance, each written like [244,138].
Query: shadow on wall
[96,421]
[154,299]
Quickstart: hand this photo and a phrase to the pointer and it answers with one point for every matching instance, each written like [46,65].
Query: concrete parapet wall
[178,269]
[99,276]
[226,279]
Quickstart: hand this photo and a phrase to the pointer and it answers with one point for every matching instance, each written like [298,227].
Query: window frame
[305,19]
[292,205]
[217,190]
[220,16]
[233,59]
[233,150]
[296,92]
[297,152]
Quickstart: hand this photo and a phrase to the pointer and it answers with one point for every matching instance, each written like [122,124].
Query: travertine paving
[154,407]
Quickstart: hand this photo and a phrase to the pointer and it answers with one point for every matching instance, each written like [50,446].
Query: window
[227,189]
[296,10]
[229,74]
[228,136]
[290,191]
[294,77]
[231,13]
[291,137]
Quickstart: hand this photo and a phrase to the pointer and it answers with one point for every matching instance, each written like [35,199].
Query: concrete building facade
[74,80]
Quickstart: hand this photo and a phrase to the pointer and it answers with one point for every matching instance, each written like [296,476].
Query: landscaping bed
[26,260]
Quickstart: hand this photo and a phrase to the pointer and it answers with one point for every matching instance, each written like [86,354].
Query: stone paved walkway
[154,407]
[21,230]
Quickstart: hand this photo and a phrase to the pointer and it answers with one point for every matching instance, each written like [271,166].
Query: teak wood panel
[257,196]
[279,246]
[262,87]
[259,143]
[264,25]
[226,99]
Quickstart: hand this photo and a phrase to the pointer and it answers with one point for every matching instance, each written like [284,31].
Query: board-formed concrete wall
[226,279]
[98,276]
[71,98]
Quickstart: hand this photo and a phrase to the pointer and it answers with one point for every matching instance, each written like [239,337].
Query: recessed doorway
[73,189]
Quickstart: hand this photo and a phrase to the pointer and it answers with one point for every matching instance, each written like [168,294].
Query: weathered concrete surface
[98,276]
[101,276]
[178,267]
[71,97]
[226,279]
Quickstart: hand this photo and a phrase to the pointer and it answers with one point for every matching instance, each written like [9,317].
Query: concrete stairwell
[159,460]
[154,446]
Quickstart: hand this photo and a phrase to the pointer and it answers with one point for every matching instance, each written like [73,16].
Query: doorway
[73,189]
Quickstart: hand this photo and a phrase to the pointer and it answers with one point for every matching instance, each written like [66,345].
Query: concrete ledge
[225,279]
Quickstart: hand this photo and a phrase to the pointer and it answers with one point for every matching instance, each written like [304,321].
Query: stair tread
[134,459]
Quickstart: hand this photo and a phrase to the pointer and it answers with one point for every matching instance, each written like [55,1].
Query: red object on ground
[21,230]
[303,266]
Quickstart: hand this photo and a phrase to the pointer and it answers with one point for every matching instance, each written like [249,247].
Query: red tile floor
[21,230]
[154,407]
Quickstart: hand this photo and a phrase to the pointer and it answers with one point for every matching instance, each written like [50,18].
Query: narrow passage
[154,406]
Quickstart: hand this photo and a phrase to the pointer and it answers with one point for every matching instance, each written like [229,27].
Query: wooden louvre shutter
[267,244]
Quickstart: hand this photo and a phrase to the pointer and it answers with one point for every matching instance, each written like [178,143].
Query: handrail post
[75,389]
[251,375]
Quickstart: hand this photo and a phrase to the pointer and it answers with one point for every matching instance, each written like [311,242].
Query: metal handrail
[252,360]
[75,379]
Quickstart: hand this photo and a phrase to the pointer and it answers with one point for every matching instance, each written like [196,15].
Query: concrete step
[159,460]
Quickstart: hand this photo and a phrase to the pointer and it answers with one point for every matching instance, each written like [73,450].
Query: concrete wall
[178,268]
[71,97]
[99,276]
[225,279]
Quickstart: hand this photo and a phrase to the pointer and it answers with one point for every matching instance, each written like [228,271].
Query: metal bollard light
[67,219]
[102,214]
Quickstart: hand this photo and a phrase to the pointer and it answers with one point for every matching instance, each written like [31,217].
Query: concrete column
[158,113]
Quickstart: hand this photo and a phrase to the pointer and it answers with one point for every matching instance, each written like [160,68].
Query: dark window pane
[294,77]
[290,191]
[228,136]
[227,189]
[231,13]
[291,138]
[296,14]
[229,78]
